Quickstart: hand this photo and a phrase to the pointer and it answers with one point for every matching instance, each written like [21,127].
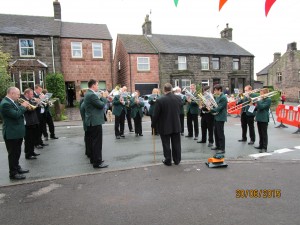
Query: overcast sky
[252,30]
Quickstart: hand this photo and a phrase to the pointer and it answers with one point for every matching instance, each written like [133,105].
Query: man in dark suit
[13,130]
[119,110]
[192,113]
[220,119]
[167,116]
[94,118]
[137,105]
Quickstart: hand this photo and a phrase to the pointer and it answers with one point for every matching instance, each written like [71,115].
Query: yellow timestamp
[258,193]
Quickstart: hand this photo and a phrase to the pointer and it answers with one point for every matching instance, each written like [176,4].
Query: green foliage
[5,80]
[55,84]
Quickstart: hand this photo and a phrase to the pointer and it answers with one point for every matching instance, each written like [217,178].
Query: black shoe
[195,138]
[131,131]
[251,143]
[46,138]
[44,144]
[201,141]
[166,163]
[210,145]
[21,171]
[242,140]
[117,137]
[122,135]
[189,136]
[262,150]
[17,177]
[39,147]
[257,147]
[100,166]
[176,163]
[214,148]
[30,157]
[54,137]
[35,154]
[141,135]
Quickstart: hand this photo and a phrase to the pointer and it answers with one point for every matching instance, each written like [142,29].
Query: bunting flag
[222,2]
[176,2]
[268,5]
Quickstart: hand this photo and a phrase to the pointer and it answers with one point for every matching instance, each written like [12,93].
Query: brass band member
[207,122]
[128,110]
[220,119]
[119,110]
[262,118]
[247,118]
[137,106]
[13,130]
[152,101]
[192,114]
[177,91]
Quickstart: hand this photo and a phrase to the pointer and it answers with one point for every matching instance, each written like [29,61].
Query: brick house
[284,73]
[183,60]
[42,45]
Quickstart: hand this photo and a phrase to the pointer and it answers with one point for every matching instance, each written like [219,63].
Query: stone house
[284,73]
[182,60]
[42,45]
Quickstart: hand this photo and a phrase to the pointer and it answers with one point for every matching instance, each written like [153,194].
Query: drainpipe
[130,77]
[52,48]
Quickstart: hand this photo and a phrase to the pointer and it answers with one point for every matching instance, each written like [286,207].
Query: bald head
[13,93]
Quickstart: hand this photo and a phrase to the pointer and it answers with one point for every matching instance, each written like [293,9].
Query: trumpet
[252,100]
[30,107]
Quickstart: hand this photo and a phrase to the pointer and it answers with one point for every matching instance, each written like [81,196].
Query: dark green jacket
[221,109]
[152,102]
[192,107]
[118,106]
[263,107]
[93,106]
[13,119]
[183,97]
[136,108]
[246,109]
[82,113]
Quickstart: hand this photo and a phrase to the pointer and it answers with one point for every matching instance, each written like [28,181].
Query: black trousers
[219,135]
[13,147]
[192,118]
[138,124]
[263,134]
[49,122]
[247,121]
[42,127]
[31,135]
[94,135]
[87,142]
[155,127]
[128,118]
[182,123]
[120,123]
[207,124]
[175,141]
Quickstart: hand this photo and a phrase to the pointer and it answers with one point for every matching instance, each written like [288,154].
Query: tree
[5,79]
[55,84]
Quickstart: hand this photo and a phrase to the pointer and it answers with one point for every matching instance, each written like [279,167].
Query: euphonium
[29,107]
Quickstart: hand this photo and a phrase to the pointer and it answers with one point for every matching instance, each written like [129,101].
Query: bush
[5,79]
[55,84]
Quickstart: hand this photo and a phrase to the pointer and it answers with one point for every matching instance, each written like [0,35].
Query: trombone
[252,100]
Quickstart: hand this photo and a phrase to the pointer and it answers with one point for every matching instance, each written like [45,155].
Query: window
[204,63]
[41,77]
[299,75]
[76,49]
[182,63]
[176,83]
[27,80]
[185,83]
[216,63]
[83,84]
[279,77]
[143,64]
[119,65]
[102,85]
[26,47]
[97,50]
[205,83]
[216,81]
[236,64]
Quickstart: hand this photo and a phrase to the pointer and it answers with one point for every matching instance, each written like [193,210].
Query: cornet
[30,107]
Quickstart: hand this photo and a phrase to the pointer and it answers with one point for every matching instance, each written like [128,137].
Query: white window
[176,83]
[279,77]
[216,63]
[205,83]
[182,63]
[41,77]
[236,64]
[143,64]
[204,63]
[97,50]
[76,48]
[185,83]
[27,80]
[26,48]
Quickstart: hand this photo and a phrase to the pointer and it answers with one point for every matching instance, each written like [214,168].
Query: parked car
[147,105]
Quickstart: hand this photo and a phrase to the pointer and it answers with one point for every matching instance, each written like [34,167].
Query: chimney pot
[292,46]
[57,10]
[227,32]
[277,56]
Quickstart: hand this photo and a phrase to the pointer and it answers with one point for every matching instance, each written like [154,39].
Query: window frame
[138,64]
[204,64]
[182,65]
[236,61]
[186,86]
[72,49]
[31,72]
[214,61]
[101,49]
[279,77]
[20,47]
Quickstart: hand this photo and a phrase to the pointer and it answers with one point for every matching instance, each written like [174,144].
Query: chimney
[57,10]
[292,47]
[277,56]
[227,33]
[147,29]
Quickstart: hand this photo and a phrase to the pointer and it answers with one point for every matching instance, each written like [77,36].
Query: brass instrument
[252,100]
[30,107]
[188,94]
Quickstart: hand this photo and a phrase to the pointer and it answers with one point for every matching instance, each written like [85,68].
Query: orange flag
[222,2]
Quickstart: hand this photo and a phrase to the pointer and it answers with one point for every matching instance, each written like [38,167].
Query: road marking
[1,198]
[284,150]
[259,155]
[297,147]
[44,190]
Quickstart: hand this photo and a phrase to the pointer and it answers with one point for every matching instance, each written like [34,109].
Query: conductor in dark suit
[13,130]
[167,116]
[94,118]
